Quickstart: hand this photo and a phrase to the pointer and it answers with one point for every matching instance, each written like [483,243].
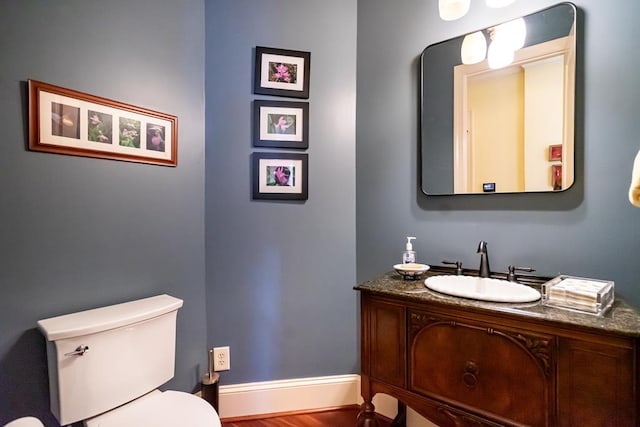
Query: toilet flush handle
[80,351]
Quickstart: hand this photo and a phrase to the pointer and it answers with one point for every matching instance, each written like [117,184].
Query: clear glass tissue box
[581,294]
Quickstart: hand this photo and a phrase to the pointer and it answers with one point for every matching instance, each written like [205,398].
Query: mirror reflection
[498,107]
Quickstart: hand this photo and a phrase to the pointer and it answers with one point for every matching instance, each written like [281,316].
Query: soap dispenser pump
[409,255]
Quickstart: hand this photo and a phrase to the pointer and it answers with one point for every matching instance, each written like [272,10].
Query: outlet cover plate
[221,359]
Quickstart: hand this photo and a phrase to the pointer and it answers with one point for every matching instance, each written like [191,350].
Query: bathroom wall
[280,274]
[590,230]
[78,233]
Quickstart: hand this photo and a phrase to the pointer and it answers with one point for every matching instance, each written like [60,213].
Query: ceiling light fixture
[451,10]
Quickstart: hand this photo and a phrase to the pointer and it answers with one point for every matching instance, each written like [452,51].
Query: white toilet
[25,422]
[105,366]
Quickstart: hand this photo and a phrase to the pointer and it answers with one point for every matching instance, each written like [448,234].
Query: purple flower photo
[280,72]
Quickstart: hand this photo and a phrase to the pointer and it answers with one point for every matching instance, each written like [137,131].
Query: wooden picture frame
[280,176]
[65,121]
[555,152]
[282,72]
[280,124]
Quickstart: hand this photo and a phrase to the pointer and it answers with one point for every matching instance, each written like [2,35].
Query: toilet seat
[160,409]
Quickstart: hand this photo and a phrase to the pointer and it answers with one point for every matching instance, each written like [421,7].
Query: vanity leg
[367,415]
[401,419]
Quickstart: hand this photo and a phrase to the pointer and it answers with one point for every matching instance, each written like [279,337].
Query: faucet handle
[512,272]
[458,265]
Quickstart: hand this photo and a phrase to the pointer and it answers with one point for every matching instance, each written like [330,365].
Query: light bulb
[500,54]
[513,32]
[451,10]
[474,48]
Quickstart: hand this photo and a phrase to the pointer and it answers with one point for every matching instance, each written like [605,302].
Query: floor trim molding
[281,396]
[287,414]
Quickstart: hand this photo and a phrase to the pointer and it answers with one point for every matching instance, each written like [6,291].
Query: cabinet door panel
[595,384]
[508,374]
[387,342]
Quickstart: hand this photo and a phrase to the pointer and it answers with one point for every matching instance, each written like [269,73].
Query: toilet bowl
[25,422]
[106,364]
[160,409]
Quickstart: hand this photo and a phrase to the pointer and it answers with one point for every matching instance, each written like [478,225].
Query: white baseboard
[385,405]
[305,394]
[302,394]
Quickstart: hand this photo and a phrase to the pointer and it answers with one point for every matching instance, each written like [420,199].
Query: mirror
[506,129]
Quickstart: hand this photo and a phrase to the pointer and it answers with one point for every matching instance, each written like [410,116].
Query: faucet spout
[484,270]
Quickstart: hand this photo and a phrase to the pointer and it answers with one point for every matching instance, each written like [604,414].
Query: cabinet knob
[470,374]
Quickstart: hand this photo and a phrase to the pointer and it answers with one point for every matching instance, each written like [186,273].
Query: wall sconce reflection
[474,48]
[505,40]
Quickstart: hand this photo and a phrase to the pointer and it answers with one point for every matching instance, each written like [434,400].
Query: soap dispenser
[409,255]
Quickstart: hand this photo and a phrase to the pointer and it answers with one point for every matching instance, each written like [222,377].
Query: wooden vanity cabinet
[465,367]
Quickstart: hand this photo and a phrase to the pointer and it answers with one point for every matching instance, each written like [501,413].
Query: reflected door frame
[463,121]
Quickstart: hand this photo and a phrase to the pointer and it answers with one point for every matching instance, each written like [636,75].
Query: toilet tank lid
[105,318]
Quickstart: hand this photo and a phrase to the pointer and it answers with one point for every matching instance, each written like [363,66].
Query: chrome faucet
[458,265]
[484,270]
[511,276]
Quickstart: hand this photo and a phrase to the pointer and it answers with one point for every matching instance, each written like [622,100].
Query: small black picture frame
[280,176]
[280,124]
[282,72]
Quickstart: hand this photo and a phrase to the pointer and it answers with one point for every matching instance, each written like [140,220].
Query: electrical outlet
[221,359]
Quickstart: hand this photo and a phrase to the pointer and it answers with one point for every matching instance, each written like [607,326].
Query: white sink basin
[484,289]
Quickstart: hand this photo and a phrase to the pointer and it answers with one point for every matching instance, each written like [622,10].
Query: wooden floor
[343,417]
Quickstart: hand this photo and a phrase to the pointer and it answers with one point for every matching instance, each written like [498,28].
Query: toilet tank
[102,358]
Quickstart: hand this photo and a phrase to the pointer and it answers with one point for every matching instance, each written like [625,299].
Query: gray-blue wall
[280,274]
[77,232]
[591,230]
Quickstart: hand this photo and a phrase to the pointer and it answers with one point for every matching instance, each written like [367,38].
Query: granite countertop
[621,318]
